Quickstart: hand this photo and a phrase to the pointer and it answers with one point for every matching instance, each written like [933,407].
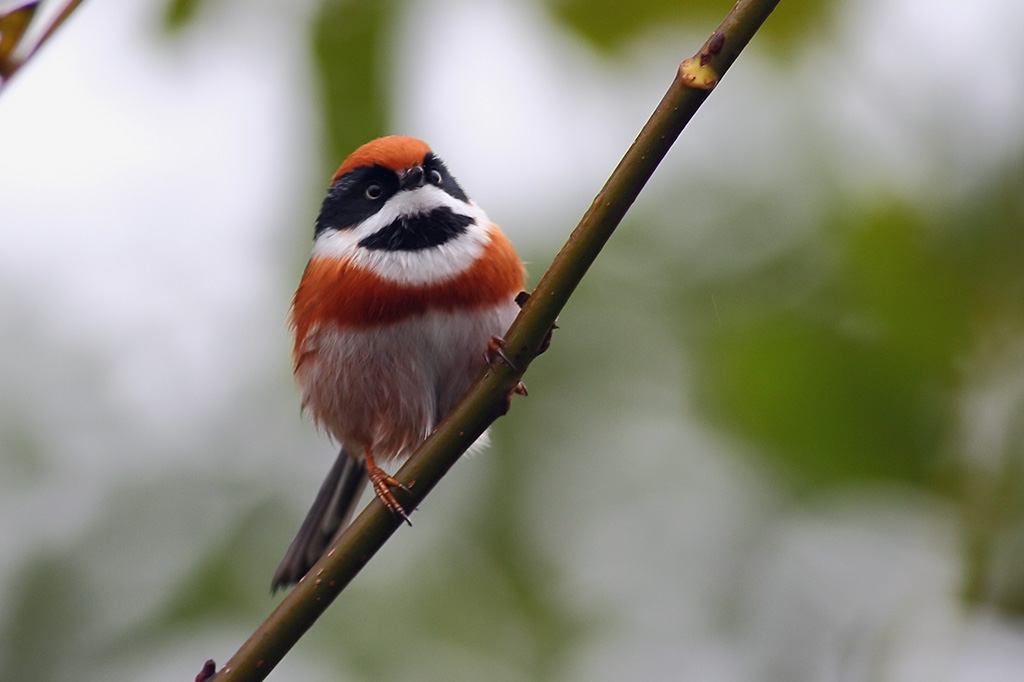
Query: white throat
[423,266]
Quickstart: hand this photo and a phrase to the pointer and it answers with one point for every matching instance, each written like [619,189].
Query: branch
[13,27]
[488,398]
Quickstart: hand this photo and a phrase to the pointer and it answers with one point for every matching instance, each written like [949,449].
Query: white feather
[424,266]
[390,385]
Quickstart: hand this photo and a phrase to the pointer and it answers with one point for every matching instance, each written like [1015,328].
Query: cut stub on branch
[521,298]
[697,75]
[695,71]
[208,671]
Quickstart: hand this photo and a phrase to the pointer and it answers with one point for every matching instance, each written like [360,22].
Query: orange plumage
[394,151]
[371,300]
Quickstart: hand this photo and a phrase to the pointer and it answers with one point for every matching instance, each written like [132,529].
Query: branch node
[714,46]
[208,671]
[695,73]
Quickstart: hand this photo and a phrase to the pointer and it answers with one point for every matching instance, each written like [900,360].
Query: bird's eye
[373,192]
[435,177]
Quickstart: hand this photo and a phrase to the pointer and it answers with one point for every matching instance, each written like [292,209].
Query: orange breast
[334,291]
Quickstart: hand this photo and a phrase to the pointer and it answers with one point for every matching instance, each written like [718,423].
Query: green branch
[489,397]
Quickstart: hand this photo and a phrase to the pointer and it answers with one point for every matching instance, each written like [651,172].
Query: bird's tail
[329,514]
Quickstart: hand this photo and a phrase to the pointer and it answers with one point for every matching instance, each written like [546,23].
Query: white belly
[387,387]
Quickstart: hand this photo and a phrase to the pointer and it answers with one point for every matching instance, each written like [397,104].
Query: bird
[405,299]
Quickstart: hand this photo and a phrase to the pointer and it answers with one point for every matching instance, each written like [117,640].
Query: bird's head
[394,208]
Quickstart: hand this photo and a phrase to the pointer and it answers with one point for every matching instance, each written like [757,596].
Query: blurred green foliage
[861,374]
[350,59]
[609,25]
[993,503]
[51,604]
[179,14]
[829,404]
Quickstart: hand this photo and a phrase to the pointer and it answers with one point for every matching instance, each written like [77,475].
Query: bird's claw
[496,349]
[382,486]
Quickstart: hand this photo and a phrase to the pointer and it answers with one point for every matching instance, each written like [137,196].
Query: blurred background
[779,435]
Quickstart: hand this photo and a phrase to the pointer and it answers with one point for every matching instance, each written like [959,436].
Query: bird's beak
[411,178]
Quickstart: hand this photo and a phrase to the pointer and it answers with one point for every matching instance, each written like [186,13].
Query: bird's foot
[383,486]
[495,350]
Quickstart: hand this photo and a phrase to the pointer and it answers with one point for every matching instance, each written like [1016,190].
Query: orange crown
[394,151]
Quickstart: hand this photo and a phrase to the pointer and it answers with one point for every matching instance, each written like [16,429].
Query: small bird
[408,289]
